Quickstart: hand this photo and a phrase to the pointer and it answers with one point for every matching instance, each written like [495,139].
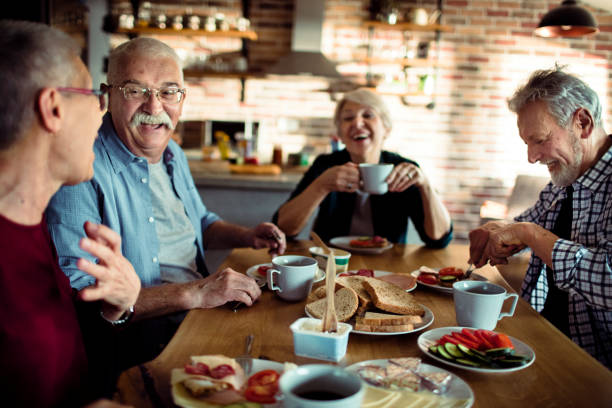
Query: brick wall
[467,144]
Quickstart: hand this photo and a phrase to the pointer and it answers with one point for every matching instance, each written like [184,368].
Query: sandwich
[369,242]
[213,379]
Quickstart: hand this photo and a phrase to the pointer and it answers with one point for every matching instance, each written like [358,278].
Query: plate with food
[406,381]
[259,273]
[212,381]
[476,349]
[372,306]
[441,279]
[405,281]
[361,244]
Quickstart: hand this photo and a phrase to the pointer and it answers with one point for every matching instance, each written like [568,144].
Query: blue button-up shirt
[119,196]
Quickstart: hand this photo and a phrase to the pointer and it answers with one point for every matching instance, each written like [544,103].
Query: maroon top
[42,356]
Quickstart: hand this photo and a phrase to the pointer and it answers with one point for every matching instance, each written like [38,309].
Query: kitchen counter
[217,175]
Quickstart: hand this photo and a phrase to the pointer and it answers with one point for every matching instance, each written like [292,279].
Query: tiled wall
[467,144]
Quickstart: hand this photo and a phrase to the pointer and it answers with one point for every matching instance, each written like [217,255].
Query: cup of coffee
[321,385]
[291,276]
[478,304]
[374,176]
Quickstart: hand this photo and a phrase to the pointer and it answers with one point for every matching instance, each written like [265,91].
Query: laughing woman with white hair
[332,184]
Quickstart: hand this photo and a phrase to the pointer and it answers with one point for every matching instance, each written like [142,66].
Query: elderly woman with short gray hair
[332,184]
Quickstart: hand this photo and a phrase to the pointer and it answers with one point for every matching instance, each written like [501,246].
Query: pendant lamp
[568,20]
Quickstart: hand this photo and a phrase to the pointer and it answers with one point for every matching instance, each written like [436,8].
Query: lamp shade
[568,20]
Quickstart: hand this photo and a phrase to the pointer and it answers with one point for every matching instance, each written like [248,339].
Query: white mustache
[144,118]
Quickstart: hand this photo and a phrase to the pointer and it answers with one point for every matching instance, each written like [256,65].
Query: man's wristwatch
[125,318]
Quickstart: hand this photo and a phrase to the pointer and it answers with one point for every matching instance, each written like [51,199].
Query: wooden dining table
[563,375]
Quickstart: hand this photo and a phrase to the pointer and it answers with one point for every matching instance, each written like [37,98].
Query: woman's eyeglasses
[100,93]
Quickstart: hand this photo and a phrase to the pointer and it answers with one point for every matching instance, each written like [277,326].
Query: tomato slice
[484,339]
[366,272]
[448,339]
[260,393]
[264,377]
[263,270]
[469,333]
[502,340]
[465,341]
[262,386]
[428,279]
[451,271]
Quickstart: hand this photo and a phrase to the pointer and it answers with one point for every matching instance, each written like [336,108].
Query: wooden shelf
[249,35]
[196,73]
[407,26]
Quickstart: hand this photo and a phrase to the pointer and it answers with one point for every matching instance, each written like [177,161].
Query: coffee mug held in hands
[478,304]
[291,276]
[374,176]
[321,385]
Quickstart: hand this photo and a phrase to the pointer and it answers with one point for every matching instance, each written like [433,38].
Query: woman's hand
[405,175]
[344,178]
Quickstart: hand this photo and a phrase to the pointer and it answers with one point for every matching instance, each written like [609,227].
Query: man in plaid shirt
[569,229]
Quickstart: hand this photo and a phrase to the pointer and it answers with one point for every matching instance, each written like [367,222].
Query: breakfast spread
[369,304]
[217,380]
[369,242]
[478,348]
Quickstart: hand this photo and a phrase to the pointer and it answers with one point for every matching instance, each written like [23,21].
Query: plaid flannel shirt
[582,266]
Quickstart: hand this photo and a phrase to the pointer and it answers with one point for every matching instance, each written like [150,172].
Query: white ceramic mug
[291,276]
[374,176]
[478,304]
[321,385]
[418,16]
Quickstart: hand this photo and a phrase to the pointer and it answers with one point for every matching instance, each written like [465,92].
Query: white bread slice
[391,298]
[345,303]
[360,326]
[356,283]
[380,319]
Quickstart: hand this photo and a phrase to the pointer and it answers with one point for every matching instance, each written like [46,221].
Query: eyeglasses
[167,94]
[100,93]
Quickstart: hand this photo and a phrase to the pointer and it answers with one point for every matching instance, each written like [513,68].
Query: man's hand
[116,281]
[494,242]
[224,286]
[268,235]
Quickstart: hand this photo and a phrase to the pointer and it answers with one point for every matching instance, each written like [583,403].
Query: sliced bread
[345,303]
[380,319]
[356,283]
[391,298]
[360,326]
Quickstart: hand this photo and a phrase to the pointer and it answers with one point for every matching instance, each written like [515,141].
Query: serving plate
[440,288]
[428,319]
[344,243]
[430,337]
[378,274]
[184,399]
[457,389]
[262,280]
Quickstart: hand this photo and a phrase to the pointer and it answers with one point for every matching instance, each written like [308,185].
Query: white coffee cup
[321,385]
[478,304]
[294,276]
[374,176]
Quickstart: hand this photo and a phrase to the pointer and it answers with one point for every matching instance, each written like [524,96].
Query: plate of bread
[362,244]
[372,306]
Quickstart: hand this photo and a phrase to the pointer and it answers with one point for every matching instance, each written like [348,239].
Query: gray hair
[366,97]
[32,56]
[138,47]
[563,94]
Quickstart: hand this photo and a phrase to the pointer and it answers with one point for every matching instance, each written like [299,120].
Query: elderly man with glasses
[144,190]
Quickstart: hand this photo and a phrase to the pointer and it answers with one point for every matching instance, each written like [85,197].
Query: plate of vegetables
[441,279]
[476,349]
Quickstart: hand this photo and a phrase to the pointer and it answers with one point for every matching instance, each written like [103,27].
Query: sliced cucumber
[468,362]
[453,350]
[442,351]
[502,351]
[511,361]
[465,349]
[434,349]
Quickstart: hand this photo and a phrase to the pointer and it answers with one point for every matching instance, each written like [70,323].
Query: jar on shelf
[177,22]
[144,14]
